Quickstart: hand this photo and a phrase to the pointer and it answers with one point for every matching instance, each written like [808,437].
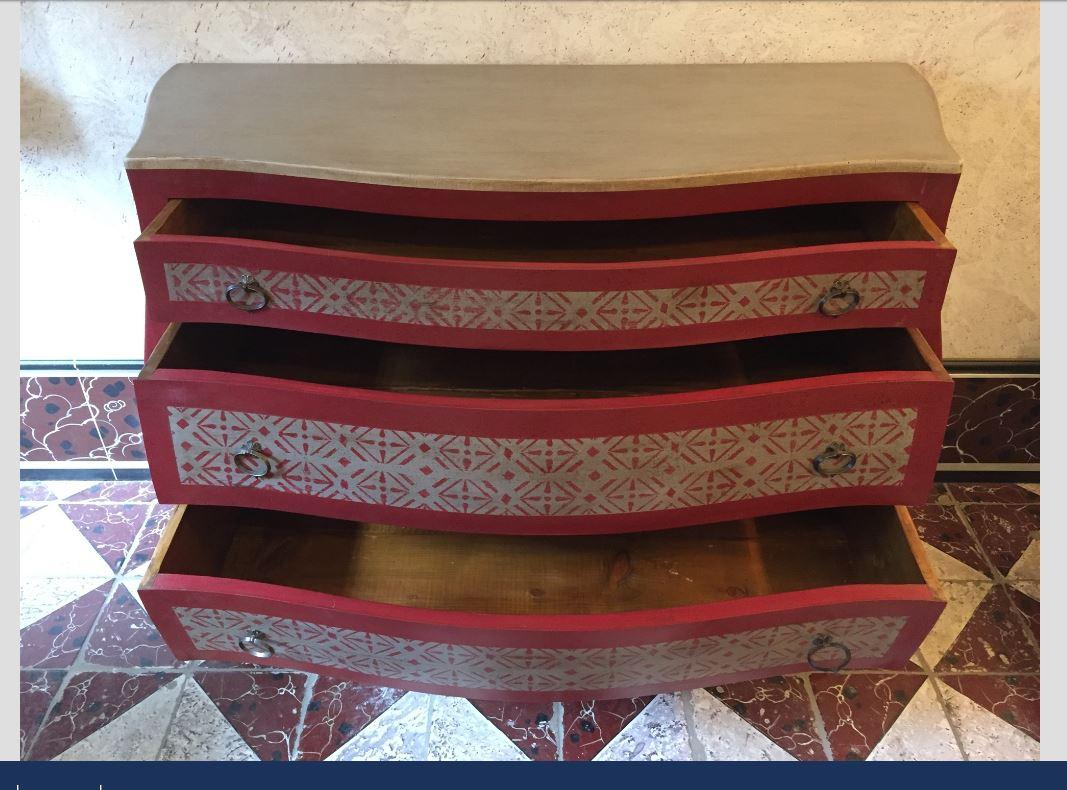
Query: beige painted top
[545,128]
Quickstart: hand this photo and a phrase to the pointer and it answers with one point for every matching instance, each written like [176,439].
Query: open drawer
[580,285]
[541,442]
[576,617]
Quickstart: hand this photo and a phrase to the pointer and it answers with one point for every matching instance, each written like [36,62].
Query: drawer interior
[507,574]
[394,367]
[576,242]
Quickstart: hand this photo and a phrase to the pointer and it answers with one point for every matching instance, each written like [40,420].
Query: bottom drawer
[553,618]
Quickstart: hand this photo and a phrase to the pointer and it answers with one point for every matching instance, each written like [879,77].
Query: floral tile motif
[264,707]
[588,726]
[147,540]
[779,708]
[993,494]
[133,491]
[994,420]
[993,640]
[858,710]
[110,529]
[125,636]
[36,689]
[942,528]
[56,422]
[338,710]
[54,641]
[1014,698]
[527,724]
[1005,531]
[112,402]
[90,701]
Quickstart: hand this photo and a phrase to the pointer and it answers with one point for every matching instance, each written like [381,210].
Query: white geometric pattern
[389,658]
[542,311]
[540,477]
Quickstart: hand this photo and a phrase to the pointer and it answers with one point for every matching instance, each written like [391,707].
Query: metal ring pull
[256,645]
[840,298]
[835,460]
[825,642]
[249,458]
[245,287]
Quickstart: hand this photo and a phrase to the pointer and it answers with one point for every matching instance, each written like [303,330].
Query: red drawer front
[548,306]
[549,467]
[551,658]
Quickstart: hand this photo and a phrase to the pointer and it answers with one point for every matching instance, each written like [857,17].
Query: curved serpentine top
[545,128]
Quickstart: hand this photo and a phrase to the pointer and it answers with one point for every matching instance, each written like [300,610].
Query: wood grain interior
[394,367]
[545,575]
[576,242]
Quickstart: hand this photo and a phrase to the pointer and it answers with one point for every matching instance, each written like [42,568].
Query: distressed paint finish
[497,476]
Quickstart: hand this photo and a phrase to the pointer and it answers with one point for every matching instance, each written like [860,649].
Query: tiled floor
[97,682]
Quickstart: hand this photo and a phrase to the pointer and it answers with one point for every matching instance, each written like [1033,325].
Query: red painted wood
[916,602]
[927,392]
[157,250]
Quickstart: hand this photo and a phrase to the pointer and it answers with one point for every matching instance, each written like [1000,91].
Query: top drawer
[546,285]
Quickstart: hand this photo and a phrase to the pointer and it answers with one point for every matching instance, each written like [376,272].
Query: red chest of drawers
[601,400]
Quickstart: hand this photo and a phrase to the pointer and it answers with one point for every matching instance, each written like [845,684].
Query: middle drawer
[541,442]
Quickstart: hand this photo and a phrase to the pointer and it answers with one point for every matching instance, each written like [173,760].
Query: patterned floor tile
[25,510]
[962,599]
[725,735]
[948,568]
[398,734]
[994,421]
[938,495]
[921,732]
[90,701]
[135,734]
[658,733]
[1014,698]
[337,711]
[779,708]
[993,640]
[589,726]
[117,491]
[1028,566]
[56,423]
[36,689]
[1031,612]
[34,491]
[264,707]
[527,724]
[984,735]
[199,731]
[55,640]
[942,528]
[858,710]
[125,636]
[51,546]
[112,402]
[1005,531]
[992,493]
[459,732]
[110,529]
[149,536]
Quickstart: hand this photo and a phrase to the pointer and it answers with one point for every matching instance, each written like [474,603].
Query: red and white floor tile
[97,682]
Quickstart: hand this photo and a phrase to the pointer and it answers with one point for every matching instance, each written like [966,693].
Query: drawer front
[554,307]
[448,667]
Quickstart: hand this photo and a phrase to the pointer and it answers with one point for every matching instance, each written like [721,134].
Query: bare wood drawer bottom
[514,617]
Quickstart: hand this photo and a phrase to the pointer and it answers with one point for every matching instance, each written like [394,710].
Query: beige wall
[88,68]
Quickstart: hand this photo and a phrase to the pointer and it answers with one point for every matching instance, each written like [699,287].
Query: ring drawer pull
[249,458]
[840,298]
[256,645]
[825,642]
[835,460]
[247,286]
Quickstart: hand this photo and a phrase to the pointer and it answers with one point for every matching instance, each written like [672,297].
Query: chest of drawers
[543,382]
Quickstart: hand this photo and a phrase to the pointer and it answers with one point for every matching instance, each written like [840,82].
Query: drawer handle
[250,459]
[825,643]
[840,298]
[835,460]
[256,645]
[245,287]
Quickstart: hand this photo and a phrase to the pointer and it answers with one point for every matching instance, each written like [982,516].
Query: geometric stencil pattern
[389,658]
[539,476]
[542,311]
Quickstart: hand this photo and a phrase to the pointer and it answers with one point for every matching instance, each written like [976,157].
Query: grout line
[183,680]
[555,725]
[816,718]
[312,679]
[697,752]
[947,713]
[429,727]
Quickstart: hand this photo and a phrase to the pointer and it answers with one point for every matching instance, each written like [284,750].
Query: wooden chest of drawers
[537,382]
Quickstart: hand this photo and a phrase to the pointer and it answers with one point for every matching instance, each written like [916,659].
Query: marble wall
[87,69]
